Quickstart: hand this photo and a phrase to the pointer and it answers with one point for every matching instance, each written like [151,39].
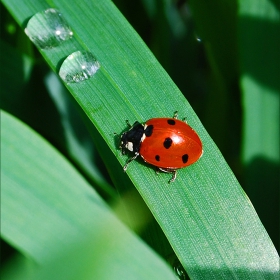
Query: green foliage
[53,213]
[259,59]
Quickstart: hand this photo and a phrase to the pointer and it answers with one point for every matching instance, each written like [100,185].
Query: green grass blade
[53,217]
[206,216]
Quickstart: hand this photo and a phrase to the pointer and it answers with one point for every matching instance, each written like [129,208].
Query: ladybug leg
[173,171]
[175,116]
[130,160]
[174,175]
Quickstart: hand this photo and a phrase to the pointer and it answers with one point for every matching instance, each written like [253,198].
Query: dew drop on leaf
[48,29]
[177,267]
[198,38]
[78,66]
[180,272]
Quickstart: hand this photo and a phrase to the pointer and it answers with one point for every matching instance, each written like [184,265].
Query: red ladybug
[166,143]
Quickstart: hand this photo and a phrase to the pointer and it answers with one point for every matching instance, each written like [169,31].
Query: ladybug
[167,143]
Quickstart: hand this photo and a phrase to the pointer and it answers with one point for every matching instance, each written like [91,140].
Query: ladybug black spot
[185,158]
[171,122]
[149,130]
[157,157]
[167,143]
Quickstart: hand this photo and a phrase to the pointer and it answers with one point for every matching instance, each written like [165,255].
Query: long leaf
[55,219]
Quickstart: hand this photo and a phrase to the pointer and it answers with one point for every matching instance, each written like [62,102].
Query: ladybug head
[131,139]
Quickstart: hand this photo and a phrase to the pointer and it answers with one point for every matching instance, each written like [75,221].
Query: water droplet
[78,66]
[180,271]
[198,38]
[48,29]
[177,267]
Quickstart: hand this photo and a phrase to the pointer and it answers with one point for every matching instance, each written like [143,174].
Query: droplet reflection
[78,66]
[180,271]
[177,267]
[48,29]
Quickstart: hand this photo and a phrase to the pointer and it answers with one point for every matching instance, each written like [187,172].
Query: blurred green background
[223,56]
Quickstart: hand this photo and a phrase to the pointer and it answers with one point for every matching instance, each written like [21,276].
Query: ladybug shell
[170,143]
